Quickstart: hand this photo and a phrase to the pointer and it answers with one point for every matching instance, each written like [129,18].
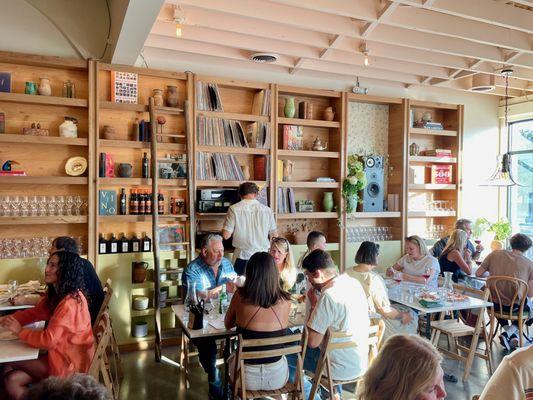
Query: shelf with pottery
[54,140]
[432,132]
[428,159]
[53,219]
[179,184]
[141,218]
[42,100]
[309,122]
[308,215]
[309,185]
[232,150]
[109,105]
[308,153]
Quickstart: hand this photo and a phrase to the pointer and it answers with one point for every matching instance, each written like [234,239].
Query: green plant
[354,182]
[501,229]
[480,226]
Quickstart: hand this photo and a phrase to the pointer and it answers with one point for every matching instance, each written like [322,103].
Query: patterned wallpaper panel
[368,129]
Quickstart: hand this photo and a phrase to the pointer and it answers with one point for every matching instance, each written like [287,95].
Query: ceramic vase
[30,88]
[158,97]
[327,201]
[172,96]
[290,108]
[329,114]
[125,170]
[351,204]
[44,87]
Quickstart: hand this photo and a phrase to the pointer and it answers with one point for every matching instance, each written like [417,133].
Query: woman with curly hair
[67,338]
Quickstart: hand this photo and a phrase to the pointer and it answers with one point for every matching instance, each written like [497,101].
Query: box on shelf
[441,174]
[437,153]
[293,137]
[417,174]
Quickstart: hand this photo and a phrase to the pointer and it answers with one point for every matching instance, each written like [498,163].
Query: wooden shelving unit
[419,194]
[45,166]
[177,184]
[233,115]
[373,215]
[308,165]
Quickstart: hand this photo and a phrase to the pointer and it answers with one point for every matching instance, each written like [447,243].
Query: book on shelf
[258,135]
[124,87]
[262,196]
[13,173]
[325,179]
[429,125]
[437,153]
[220,132]
[293,137]
[217,166]
[261,103]
[286,201]
[441,174]
[208,97]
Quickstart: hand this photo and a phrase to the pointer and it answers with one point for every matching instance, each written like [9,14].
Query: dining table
[13,349]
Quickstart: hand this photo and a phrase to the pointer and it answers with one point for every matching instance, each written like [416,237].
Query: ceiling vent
[264,57]
[482,83]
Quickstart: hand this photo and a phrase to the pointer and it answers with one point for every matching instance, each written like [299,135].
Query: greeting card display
[124,87]
[107,202]
[293,137]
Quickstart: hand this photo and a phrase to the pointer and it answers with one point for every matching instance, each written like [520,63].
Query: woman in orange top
[68,336]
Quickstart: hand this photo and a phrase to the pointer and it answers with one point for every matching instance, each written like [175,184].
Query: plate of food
[429,299]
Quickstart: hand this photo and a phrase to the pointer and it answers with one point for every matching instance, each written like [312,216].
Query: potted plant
[502,230]
[354,182]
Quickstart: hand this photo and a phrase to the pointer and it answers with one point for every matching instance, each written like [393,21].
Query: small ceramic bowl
[140,303]
[140,329]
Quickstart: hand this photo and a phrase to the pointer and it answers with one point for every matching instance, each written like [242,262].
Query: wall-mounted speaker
[373,194]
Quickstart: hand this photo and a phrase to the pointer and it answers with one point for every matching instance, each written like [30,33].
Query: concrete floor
[146,379]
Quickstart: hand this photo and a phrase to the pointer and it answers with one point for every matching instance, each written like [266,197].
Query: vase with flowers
[354,182]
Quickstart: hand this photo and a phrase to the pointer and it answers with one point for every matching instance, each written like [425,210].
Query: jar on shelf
[44,87]
[158,97]
[69,128]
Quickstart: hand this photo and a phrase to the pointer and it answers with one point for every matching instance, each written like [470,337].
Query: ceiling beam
[384,13]
[334,44]
[138,21]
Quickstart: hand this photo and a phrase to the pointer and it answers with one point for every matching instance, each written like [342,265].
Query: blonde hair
[419,242]
[457,241]
[287,274]
[404,368]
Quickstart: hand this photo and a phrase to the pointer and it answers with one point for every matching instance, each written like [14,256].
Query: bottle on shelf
[113,244]
[102,244]
[123,244]
[149,202]
[160,203]
[123,203]
[145,173]
[146,243]
[142,202]
[134,202]
[135,244]
[136,129]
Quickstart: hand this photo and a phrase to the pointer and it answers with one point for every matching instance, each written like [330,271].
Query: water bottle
[191,295]
[223,301]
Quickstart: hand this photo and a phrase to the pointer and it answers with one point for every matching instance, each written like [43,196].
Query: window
[520,198]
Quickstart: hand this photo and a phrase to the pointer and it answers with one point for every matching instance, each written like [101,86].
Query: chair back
[289,344]
[108,294]
[503,308]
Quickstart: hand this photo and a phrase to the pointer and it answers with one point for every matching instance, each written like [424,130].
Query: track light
[179,19]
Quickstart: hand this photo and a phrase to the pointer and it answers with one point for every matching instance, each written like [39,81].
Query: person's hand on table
[9,322]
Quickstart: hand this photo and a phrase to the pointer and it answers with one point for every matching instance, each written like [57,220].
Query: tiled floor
[146,379]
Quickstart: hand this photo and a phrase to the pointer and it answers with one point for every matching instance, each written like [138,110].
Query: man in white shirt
[251,224]
[341,306]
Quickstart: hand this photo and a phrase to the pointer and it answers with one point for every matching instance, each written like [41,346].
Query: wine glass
[426,274]
[77,205]
[398,277]
[69,204]
[60,205]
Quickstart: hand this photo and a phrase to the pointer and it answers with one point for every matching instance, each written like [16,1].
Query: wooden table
[8,307]
[16,350]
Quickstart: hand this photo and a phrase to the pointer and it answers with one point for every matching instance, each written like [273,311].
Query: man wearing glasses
[251,223]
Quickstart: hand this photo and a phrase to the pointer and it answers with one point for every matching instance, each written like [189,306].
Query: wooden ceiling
[410,42]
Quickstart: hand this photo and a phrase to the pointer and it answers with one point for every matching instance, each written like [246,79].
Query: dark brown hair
[312,238]
[520,242]
[367,253]
[248,188]
[318,259]
[262,287]
[69,279]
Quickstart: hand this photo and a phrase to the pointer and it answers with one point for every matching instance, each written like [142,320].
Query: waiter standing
[251,224]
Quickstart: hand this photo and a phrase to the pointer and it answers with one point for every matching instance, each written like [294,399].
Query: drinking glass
[33,206]
[84,206]
[4,206]
[15,206]
[51,205]
[69,204]
[398,278]
[60,205]
[12,286]
[78,201]
[426,274]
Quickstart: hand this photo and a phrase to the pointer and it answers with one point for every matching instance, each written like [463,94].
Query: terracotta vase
[290,108]
[172,96]
[158,97]
[44,87]
[329,114]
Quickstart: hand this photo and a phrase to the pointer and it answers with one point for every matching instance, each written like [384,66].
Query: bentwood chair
[291,344]
[375,336]
[456,328]
[513,310]
[100,368]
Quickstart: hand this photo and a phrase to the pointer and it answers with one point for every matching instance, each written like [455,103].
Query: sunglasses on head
[279,240]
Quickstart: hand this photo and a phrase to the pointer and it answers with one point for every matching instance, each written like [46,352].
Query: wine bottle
[135,244]
[142,202]
[135,207]
[149,202]
[136,129]
[146,243]
[122,210]
[123,244]
[113,244]
[145,166]
[102,244]
[160,203]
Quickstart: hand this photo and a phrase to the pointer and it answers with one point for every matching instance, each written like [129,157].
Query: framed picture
[124,87]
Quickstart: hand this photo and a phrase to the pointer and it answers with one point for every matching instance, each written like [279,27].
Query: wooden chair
[456,328]
[375,336]
[519,289]
[100,368]
[104,308]
[293,345]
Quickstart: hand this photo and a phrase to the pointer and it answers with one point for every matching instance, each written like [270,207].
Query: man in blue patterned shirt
[209,272]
